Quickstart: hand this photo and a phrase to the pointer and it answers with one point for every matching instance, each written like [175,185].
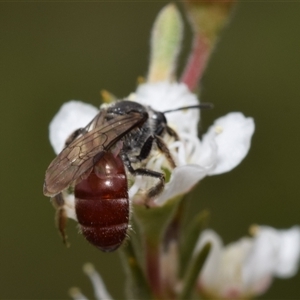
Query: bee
[93,165]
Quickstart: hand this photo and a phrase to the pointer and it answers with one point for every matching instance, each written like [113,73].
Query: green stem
[152,223]
[153,270]
[193,271]
[136,284]
[190,239]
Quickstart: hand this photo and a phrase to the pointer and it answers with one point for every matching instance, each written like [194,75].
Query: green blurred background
[54,52]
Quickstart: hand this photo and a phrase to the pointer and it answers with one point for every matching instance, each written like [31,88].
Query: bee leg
[146,148]
[60,216]
[171,132]
[156,189]
[165,150]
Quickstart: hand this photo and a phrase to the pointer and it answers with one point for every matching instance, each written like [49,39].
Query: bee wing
[82,153]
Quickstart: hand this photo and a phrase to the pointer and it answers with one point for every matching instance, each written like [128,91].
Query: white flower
[245,268]
[221,149]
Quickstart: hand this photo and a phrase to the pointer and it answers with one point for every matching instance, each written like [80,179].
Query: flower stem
[196,62]
[152,223]
[190,239]
[153,271]
[136,284]
[193,271]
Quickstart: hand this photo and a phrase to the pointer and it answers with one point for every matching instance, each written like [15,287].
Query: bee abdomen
[105,238]
[103,222]
[102,205]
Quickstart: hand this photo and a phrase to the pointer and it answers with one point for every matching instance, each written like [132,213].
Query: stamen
[192,147]
[218,129]
[254,229]
[180,153]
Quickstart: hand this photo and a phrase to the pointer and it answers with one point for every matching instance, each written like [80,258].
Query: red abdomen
[102,205]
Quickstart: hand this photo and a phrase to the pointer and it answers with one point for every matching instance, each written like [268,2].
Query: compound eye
[160,121]
[159,117]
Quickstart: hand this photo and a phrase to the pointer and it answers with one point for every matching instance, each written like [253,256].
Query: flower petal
[182,180]
[289,253]
[220,277]
[71,116]
[232,134]
[275,253]
[69,205]
[209,274]
[100,290]
[205,153]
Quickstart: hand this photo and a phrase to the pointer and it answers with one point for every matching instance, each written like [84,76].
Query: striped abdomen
[102,205]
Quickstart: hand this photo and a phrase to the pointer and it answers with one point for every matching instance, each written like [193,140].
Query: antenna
[199,106]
